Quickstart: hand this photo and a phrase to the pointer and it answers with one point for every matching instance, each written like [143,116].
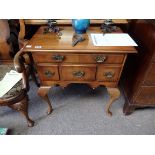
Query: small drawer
[108,73]
[78,58]
[78,72]
[48,72]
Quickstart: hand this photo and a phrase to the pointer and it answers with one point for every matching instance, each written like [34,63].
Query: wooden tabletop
[51,43]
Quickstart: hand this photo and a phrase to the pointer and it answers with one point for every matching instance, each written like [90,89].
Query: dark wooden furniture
[58,63]
[17,97]
[8,42]
[139,72]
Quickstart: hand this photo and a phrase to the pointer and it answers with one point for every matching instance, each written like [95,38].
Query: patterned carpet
[78,110]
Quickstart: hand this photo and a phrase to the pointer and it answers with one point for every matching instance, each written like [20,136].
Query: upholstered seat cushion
[17,88]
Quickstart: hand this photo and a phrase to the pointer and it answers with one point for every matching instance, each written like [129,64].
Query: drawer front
[78,72]
[108,73]
[150,77]
[78,58]
[146,96]
[48,72]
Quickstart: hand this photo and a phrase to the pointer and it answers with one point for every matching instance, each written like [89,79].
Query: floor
[78,110]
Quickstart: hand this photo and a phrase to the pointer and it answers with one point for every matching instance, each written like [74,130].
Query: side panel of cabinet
[150,77]
[146,96]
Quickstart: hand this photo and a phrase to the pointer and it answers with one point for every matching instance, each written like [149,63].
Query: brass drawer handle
[100,58]
[49,74]
[78,74]
[109,74]
[58,57]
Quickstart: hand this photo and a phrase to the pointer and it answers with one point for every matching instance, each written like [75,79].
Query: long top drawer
[78,58]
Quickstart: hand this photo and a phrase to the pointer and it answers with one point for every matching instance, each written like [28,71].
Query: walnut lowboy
[58,63]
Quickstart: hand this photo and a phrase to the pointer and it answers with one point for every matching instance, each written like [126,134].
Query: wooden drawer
[48,72]
[78,72]
[78,58]
[150,77]
[108,73]
[146,96]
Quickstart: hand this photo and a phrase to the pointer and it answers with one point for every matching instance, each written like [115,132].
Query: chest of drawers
[58,63]
[139,90]
[79,67]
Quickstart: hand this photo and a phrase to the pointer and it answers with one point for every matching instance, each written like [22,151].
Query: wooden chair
[17,97]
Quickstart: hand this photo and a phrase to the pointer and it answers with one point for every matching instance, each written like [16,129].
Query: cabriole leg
[114,94]
[43,91]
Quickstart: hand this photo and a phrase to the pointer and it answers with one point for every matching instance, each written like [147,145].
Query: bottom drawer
[48,72]
[108,73]
[146,95]
[78,72]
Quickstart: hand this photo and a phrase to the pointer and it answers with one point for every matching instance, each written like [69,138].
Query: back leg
[22,107]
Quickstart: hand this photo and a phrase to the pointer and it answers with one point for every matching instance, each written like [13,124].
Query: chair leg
[22,107]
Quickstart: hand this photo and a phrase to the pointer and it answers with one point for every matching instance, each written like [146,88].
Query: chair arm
[18,64]
[21,68]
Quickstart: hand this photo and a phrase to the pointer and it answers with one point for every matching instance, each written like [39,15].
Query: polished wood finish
[78,72]
[48,72]
[58,63]
[108,73]
[51,43]
[139,89]
[68,22]
[78,58]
